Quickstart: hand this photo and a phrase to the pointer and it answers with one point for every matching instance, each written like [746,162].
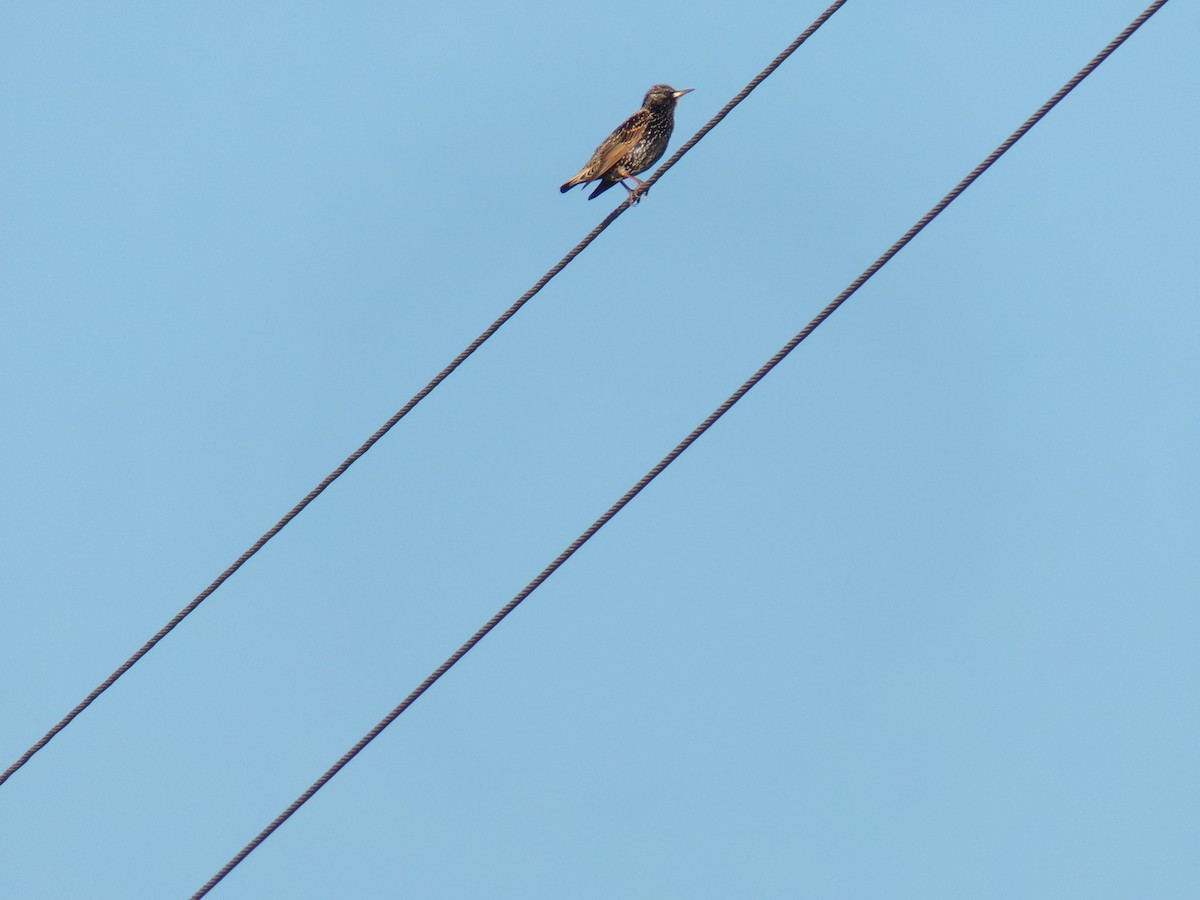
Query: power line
[411,404]
[686,442]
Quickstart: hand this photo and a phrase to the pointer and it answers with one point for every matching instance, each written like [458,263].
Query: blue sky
[916,619]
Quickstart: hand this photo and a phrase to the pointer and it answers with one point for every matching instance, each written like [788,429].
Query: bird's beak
[679,94]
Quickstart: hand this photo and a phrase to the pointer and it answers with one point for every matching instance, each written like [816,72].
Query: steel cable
[417,398]
[686,442]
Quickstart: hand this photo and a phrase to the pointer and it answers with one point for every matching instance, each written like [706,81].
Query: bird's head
[663,95]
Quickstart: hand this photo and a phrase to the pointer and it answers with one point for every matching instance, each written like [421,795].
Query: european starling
[635,146]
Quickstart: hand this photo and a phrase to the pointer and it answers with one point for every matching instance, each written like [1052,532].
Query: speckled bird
[636,145]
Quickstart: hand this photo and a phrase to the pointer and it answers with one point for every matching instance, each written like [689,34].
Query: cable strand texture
[409,406]
[703,426]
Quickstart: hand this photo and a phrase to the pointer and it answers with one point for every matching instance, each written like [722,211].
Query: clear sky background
[917,619]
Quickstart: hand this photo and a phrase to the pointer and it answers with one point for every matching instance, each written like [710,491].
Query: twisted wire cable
[411,404]
[685,443]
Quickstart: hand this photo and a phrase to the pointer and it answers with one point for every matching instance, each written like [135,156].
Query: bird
[634,146]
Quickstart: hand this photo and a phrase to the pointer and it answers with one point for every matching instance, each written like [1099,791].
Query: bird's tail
[603,186]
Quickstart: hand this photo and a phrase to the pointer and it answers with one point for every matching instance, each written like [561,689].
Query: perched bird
[635,146]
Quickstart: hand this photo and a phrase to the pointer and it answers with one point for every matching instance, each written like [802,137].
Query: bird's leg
[635,194]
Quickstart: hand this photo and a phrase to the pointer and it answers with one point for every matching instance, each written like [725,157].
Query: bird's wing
[617,144]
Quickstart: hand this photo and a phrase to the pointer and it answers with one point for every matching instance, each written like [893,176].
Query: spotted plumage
[636,145]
